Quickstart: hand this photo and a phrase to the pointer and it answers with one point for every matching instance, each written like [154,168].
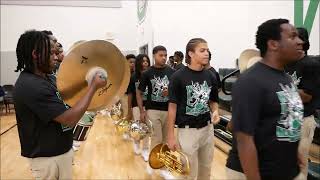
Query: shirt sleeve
[246,103]
[218,80]
[214,88]
[45,102]
[144,81]
[131,87]
[174,89]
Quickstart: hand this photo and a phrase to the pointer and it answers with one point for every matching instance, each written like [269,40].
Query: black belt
[197,125]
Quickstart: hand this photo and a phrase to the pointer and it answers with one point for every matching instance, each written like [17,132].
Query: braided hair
[35,41]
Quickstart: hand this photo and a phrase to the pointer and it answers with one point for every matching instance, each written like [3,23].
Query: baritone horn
[176,162]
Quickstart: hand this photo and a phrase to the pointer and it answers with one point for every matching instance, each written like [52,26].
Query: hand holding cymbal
[80,66]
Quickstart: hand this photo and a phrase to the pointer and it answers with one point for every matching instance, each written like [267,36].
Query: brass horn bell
[248,56]
[81,64]
[176,162]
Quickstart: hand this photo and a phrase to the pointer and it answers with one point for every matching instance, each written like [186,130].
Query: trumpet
[176,162]
[140,130]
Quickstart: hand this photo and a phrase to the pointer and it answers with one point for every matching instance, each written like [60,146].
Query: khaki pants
[159,123]
[124,105]
[234,175]
[136,116]
[198,145]
[307,132]
[56,167]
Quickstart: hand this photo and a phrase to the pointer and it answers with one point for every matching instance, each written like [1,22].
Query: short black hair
[179,54]
[269,30]
[158,48]
[33,41]
[47,32]
[304,36]
[129,56]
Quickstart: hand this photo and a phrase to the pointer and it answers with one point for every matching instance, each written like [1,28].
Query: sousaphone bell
[248,58]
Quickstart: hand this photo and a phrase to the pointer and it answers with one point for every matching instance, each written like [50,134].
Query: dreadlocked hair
[33,41]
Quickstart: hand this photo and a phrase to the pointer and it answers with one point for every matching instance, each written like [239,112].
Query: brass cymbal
[245,56]
[75,44]
[83,61]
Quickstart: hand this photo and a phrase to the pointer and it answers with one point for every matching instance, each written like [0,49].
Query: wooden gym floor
[104,155]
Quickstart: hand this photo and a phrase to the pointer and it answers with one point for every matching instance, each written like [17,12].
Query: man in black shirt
[156,79]
[193,94]
[305,76]
[216,74]
[171,62]
[267,111]
[60,56]
[44,123]
[178,58]
[131,58]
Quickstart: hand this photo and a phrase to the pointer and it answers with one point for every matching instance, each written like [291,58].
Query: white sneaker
[136,148]
[166,174]
[145,155]
[149,169]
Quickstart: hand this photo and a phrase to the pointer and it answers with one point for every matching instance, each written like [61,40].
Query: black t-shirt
[191,91]
[133,85]
[156,79]
[306,76]
[216,74]
[266,105]
[316,59]
[179,66]
[37,103]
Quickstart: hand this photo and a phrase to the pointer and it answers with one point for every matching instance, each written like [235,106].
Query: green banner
[308,21]
[142,9]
